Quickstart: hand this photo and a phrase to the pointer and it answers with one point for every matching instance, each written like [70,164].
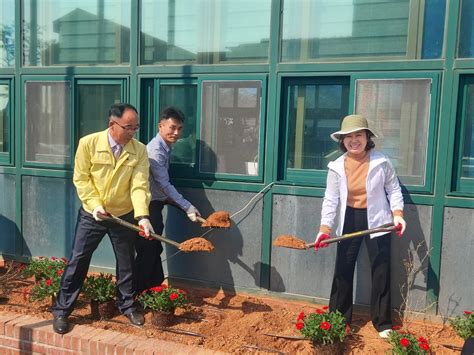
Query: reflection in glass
[204,31]
[314,112]
[94,101]
[466,30]
[230,134]
[4,117]
[75,32]
[319,29]
[184,97]
[7,33]
[47,122]
[398,110]
[467,161]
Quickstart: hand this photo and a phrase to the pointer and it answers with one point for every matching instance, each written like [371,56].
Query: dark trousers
[148,267]
[89,234]
[379,255]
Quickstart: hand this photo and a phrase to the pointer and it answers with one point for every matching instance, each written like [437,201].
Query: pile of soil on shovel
[218,219]
[196,244]
[289,241]
[237,323]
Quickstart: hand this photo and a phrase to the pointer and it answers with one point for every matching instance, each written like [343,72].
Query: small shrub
[163,298]
[46,287]
[322,327]
[100,288]
[44,268]
[464,325]
[407,343]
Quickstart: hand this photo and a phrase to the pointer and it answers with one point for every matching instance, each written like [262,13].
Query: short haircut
[117,110]
[172,112]
[370,143]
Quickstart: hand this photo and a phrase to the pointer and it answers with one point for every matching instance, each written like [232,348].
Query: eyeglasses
[128,128]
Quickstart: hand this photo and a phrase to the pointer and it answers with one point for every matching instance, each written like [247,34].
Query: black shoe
[61,324]
[136,318]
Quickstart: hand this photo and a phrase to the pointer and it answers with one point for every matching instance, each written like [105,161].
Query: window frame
[428,186]
[6,158]
[51,79]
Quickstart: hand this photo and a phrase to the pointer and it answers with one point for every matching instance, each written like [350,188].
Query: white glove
[399,220]
[145,224]
[193,213]
[97,210]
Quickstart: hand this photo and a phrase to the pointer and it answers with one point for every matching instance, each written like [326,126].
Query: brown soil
[196,244]
[218,219]
[237,324]
[289,241]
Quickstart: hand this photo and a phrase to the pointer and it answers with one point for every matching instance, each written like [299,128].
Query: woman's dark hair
[172,112]
[117,110]
[370,143]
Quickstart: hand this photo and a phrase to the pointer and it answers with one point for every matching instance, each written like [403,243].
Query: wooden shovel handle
[114,219]
[389,227]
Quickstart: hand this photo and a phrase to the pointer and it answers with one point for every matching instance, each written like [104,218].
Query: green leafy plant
[464,325]
[322,327]
[46,287]
[100,288]
[404,342]
[163,298]
[44,268]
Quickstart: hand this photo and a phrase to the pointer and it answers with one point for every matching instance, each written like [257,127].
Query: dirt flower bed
[237,324]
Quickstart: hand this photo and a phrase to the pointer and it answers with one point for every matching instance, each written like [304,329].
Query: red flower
[325,326]
[320,311]
[157,289]
[53,258]
[405,342]
[396,327]
[299,325]
[422,340]
[49,282]
[467,313]
[301,316]
[424,346]
[325,307]
[183,292]
[64,260]
[60,272]
[174,296]
[164,285]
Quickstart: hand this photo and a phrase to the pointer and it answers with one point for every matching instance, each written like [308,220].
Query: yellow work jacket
[119,186]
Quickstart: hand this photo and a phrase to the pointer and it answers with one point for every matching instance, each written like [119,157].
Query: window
[399,111]
[231,127]
[48,122]
[7,33]
[204,31]
[94,99]
[466,30]
[315,30]
[5,107]
[75,32]
[313,108]
[464,169]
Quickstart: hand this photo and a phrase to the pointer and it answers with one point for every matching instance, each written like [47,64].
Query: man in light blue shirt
[149,271]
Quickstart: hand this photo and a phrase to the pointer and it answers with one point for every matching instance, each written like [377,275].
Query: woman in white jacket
[363,187]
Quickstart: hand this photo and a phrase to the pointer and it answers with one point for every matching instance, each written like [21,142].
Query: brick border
[23,334]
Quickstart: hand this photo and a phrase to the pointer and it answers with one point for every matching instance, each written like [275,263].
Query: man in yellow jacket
[111,176]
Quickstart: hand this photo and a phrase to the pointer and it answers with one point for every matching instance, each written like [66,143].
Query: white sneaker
[385,333]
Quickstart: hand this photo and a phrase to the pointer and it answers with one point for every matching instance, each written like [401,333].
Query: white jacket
[384,194]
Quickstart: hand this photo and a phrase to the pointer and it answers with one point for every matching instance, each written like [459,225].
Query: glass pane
[433,29]
[319,29]
[399,110]
[94,101]
[59,32]
[4,116]
[466,30]
[467,160]
[183,97]
[204,31]
[7,33]
[47,122]
[315,111]
[230,134]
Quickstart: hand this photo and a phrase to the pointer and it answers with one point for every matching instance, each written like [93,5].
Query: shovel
[288,241]
[193,244]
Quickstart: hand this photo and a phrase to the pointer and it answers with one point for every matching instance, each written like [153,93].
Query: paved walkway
[23,334]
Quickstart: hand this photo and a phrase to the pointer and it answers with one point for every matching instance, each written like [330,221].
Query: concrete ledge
[23,334]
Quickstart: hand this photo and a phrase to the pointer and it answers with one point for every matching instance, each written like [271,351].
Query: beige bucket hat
[352,123]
